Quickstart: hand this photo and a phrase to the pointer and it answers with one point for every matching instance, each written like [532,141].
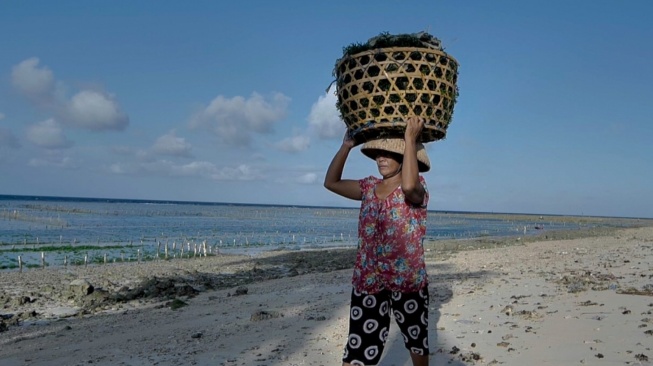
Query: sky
[232,101]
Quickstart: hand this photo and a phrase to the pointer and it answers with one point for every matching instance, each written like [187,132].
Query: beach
[559,298]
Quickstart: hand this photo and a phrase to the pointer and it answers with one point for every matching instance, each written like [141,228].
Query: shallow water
[54,230]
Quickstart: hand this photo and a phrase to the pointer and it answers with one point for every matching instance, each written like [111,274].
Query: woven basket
[380,88]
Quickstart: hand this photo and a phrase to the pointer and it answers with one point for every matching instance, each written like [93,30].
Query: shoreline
[493,300]
[46,255]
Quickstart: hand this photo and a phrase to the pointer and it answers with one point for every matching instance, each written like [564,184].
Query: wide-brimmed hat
[396,146]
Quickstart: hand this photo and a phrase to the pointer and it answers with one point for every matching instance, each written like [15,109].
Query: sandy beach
[560,299]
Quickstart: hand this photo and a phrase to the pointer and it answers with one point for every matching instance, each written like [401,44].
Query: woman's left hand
[414,126]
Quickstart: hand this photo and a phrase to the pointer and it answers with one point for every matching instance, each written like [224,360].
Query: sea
[40,231]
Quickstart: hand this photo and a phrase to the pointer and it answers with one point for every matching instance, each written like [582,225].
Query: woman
[389,273]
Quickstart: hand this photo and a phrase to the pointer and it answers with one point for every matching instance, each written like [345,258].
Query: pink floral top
[390,231]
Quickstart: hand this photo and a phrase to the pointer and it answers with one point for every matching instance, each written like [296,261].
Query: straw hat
[397,146]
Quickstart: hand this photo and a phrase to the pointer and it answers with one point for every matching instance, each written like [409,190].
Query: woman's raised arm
[333,180]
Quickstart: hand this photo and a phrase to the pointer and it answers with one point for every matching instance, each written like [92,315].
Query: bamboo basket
[380,88]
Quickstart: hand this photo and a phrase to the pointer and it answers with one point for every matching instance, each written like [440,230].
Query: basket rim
[376,50]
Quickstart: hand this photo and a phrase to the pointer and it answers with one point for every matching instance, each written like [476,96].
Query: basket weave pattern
[378,89]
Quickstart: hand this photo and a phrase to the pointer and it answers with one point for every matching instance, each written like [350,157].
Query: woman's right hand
[333,179]
[414,126]
[347,141]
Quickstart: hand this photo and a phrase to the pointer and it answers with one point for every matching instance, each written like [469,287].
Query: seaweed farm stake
[42,260]
[20,263]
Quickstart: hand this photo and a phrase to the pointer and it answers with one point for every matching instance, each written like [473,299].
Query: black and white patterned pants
[369,322]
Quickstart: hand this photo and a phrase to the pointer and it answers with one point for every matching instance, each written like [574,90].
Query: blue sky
[227,101]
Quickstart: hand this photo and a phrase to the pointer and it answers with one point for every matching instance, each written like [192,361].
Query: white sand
[502,306]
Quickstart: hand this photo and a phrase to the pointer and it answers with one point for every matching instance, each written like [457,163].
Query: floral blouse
[390,231]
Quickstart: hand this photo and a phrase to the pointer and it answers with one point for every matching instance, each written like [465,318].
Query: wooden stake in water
[138,255]
[85,260]
[65,260]
[166,250]
[20,263]
[42,259]
[204,247]
[105,258]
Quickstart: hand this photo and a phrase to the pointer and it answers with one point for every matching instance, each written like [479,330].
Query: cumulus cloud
[8,139]
[293,144]
[234,120]
[95,111]
[308,178]
[324,117]
[118,169]
[54,159]
[33,80]
[88,109]
[49,135]
[199,169]
[241,172]
[170,168]
[171,144]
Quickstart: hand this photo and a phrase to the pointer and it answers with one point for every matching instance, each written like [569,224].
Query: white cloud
[49,135]
[170,144]
[171,169]
[87,109]
[8,139]
[308,178]
[241,172]
[54,160]
[234,120]
[118,169]
[199,169]
[294,144]
[32,80]
[324,117]
[95,111]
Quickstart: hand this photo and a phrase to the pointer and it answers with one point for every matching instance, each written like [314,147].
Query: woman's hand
[414,126]
[333,179]
[347,141]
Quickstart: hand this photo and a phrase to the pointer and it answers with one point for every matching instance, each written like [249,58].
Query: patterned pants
[369,322]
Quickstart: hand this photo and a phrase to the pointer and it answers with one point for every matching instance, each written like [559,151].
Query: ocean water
[58,230]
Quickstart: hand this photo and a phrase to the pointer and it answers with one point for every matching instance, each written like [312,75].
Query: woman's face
[389,164]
